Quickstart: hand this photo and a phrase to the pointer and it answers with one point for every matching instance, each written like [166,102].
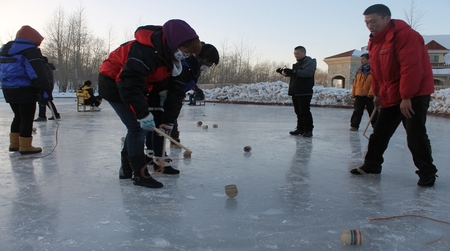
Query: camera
[280,70]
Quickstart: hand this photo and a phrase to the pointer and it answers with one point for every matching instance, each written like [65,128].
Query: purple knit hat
[177,32]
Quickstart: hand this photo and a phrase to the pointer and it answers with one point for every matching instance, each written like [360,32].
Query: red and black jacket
[130,71]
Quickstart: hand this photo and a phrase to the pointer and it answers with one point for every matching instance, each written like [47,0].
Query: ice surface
[294,193]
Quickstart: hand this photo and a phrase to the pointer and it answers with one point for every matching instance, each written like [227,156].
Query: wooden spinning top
[231,190]
[352,237]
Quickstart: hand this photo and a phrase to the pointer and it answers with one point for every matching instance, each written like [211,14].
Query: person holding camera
[301,89]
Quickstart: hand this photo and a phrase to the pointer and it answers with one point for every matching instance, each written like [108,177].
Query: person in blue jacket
[24,81]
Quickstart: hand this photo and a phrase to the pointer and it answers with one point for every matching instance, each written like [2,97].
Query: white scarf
[177,68]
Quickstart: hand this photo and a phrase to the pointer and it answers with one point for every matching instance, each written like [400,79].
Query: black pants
[93,101]
[302,108]
[416,136]
[23,118]
[362,102]
[43,107]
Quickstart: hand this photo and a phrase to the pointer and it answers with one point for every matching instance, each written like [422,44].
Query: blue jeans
[134,140]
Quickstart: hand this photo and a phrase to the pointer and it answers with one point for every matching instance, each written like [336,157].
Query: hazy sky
[271,29]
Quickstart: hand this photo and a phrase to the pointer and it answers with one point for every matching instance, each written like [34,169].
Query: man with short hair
[402,82]
[301,89]
[362,93]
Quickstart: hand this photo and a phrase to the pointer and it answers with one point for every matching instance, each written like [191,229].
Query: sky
[268,29]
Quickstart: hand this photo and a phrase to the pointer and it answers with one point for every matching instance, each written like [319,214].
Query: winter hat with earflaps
[177,32]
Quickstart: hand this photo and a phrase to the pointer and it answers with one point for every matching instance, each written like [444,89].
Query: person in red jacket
[129,73]
[402,82]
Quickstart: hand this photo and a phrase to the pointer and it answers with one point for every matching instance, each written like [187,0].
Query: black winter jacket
[302,81]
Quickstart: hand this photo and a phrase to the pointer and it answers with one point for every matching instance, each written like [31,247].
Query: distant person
[128,75]
[50,67]
[197,94]
[23,77]
[301,89]
[89,98]
[402,82]
[362,93]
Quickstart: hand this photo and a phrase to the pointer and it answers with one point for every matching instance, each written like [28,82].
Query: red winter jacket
[400,65]
[129,71]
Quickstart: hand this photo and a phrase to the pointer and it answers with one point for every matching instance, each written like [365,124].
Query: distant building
[342,67]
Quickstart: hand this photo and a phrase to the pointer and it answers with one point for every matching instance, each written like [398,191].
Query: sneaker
[307,134]
[296,132]
[426,181]
[364,170]
[39,119]
[353,129]
[96,108]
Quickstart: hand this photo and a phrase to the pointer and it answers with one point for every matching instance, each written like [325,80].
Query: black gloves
[279,70]
[288,72]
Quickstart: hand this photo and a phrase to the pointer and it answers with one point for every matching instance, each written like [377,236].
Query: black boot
[141,177]
[125,171]
[176,136]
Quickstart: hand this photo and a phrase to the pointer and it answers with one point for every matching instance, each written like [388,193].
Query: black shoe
[364,170]
[307,134]
[426,181]
[296,132]
[52,118]
[39,119]
[167,169]
[148,181]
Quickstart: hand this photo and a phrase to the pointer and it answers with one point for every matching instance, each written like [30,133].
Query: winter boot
[14,142]
[141,177]
[176,136]
[296,132]
[25,146]
[125,171]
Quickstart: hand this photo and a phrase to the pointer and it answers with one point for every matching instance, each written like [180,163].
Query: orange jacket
[362,84]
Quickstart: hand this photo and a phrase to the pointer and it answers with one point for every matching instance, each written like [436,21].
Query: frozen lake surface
[294,193]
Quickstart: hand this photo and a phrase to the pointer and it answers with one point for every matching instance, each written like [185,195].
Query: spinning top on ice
[352,237]
[187,154]
[34,129]
[199,123]
[231,190]
[215,125]
[205,126]
[247,149]
[123,139]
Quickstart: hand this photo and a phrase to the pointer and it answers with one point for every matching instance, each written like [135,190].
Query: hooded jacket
[302,82]
[400,65]
[130,71]
[22,71]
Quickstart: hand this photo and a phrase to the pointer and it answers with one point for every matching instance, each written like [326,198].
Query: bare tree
[413,15]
